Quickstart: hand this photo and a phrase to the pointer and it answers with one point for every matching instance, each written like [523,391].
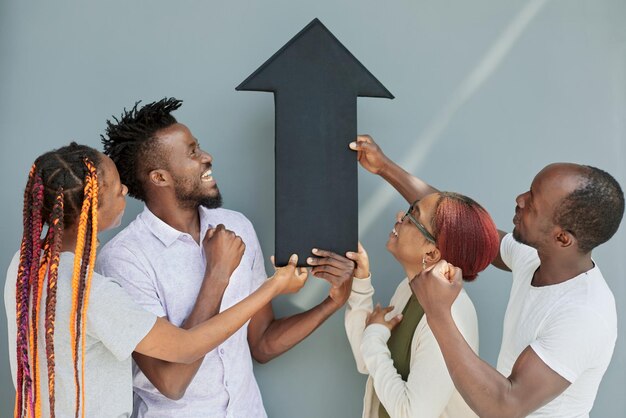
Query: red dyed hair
[466,235]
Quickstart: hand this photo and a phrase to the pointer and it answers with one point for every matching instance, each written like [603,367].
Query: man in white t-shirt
[560,325]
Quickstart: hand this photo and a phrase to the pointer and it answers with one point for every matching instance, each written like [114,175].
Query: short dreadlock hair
[592,212]
[131,143]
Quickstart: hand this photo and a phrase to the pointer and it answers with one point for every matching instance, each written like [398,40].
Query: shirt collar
[166,233]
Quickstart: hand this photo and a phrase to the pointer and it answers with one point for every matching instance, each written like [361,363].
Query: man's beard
[517,237]
[188,196]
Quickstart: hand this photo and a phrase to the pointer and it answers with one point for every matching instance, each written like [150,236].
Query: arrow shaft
[312,138]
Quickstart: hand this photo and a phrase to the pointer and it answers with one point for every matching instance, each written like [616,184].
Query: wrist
[216,275]
[273,284]
[331,304]
[439,318]
[384,166]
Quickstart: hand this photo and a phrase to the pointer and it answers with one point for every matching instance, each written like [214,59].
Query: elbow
[262,357]
[504,414]
[173,395]
[171,390]
[505,407]
[262,354]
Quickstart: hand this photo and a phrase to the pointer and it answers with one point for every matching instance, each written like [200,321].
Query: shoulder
[588,303]
[402,293]
[130,236]
[514,253]
[465,317]
[233,220]
[11,279]
[225,215]
[9,286]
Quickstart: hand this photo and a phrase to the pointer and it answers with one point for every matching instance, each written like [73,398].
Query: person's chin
[390,245]
[518,237]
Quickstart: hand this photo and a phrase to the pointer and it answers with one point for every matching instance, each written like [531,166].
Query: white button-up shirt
[162,269]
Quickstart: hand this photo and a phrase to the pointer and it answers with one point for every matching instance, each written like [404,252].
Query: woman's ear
[433,256]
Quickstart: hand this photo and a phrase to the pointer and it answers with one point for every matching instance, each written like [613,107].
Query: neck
[68,243]
[183,219]
[412,271]
[558,269]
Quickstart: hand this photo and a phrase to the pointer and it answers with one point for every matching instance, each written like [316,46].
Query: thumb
[293,260]
[395,320]
[273,260]
[210,232]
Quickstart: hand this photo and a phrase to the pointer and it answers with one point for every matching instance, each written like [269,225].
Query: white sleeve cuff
[363,286]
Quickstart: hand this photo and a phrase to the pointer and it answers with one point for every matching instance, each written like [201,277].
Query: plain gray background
[487,93]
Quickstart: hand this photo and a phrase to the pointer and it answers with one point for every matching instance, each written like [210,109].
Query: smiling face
[534,213]
[111,195]
[189,167]
[406,242]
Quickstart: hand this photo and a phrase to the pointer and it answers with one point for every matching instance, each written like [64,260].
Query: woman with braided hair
[72,331]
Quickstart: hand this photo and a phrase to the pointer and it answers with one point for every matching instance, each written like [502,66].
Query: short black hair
[594,210]
[131,143]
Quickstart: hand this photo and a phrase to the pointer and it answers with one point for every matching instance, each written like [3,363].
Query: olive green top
[400,342]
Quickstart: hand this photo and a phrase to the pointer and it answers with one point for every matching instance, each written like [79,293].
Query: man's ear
[565,238]
[160,178]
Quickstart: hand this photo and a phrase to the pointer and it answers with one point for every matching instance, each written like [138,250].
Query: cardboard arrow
[316,82]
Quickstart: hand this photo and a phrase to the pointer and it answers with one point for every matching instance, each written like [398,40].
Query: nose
[206,157]
[521,199]
[399,216]
[124,190]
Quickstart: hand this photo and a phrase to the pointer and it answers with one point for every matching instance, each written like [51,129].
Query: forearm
[172,379]
[283,334]
[359,306]
[484,389]
[409,186]
[168,342]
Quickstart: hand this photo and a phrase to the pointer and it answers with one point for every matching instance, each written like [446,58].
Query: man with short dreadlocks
[160,260]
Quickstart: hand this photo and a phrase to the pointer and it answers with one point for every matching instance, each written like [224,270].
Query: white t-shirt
[115,325]
[571,326]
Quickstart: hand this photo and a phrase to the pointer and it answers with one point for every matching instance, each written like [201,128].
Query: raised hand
[369,154]
[437,287]
[223,249]
[336,270]
[362,270]
[377,316]
[289,278]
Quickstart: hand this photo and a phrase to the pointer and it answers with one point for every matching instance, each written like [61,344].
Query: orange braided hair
[81,278]
[59,182]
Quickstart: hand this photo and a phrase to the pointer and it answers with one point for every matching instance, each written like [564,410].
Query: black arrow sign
[315,81]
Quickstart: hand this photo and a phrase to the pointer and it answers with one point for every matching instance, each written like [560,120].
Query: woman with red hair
[408,376]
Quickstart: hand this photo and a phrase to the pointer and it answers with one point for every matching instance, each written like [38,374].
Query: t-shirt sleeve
[513,253]
[121,265]
[9,306]
[114,319]
[571,340]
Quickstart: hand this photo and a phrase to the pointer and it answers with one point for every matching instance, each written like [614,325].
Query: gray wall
[487,93]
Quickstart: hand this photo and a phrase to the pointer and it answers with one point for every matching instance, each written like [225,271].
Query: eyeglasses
[419,226]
